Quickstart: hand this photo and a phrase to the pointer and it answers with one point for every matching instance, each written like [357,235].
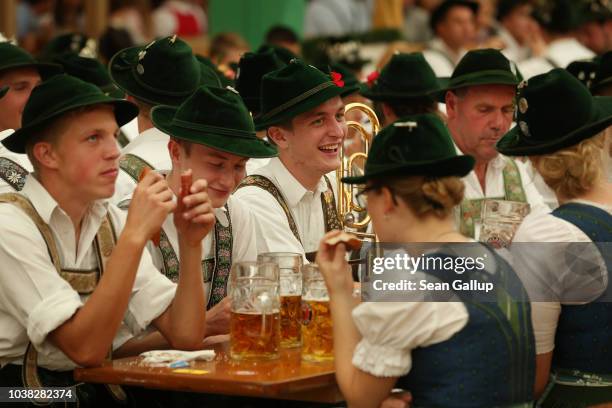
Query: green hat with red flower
[295,89]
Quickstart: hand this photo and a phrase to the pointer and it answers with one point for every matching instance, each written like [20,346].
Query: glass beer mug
[317,336]
[289,265]
[255,311]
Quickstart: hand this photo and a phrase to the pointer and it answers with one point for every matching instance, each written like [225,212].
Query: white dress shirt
[20,159]
[35,300]
[559,54]
[151,146]
[441,59]
[274,233]
[494,186]
[544,270]
[244,236]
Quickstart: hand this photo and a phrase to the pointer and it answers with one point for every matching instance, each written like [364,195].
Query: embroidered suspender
[328,202]
[222,261]
[84,282]
[133,165]
[471,210]
[215,270]
[122,139]
[11,172]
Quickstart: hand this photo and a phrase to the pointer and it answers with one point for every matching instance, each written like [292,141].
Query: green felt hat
[351,83]
[3,91]
[486,66]
[56,96]
[584,70]
[405,77]
[294,89]
[440,12]
[69,42]
[603,73]
[214,117]
[284,54]
[89,70]
[13,57]
[555,111]
[251,68]
[165,72]
[417,145]
[558,16]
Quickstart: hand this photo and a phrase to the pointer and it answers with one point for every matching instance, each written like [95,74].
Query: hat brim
[241,146]
[514,143]
[304,106]
[46,70]
[458,166]
[124,112]
[493,77]
[120,72]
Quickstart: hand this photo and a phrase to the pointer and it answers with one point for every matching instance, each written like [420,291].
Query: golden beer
[254,336]
[291,321]
[317,335]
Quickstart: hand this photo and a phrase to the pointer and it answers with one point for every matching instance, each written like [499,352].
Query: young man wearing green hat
[211,133]
[164,72]
[293,197]
[480,107]
[21,73]
[396,94]
[85,274]
[559,20]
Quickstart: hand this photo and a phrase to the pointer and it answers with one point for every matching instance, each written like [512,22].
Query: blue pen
[179,364]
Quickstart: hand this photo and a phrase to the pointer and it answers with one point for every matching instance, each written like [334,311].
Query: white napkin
[166,356]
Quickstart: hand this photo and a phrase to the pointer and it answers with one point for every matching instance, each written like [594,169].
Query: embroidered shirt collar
[291,188]
[45,204]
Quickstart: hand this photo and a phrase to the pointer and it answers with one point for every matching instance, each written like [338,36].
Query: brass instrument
[347,207]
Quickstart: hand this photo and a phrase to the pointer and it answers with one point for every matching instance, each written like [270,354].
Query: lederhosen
[82,281]
[214,270]
[581,372]
[471,210]
[328,203]
[14,174]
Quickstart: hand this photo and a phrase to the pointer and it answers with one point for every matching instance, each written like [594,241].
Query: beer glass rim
[249,265]
[279,254]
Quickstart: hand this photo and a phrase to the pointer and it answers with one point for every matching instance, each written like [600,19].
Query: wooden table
[285,378]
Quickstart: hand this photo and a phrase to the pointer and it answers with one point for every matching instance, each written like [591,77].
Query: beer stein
[290,265]
[255,311]
[317,336]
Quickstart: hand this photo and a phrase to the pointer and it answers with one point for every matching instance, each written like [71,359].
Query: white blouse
[546,274]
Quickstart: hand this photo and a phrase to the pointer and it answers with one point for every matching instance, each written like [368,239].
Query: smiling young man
[21,73]
[480,108]
[293,197]
[212,134]
[75,271]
